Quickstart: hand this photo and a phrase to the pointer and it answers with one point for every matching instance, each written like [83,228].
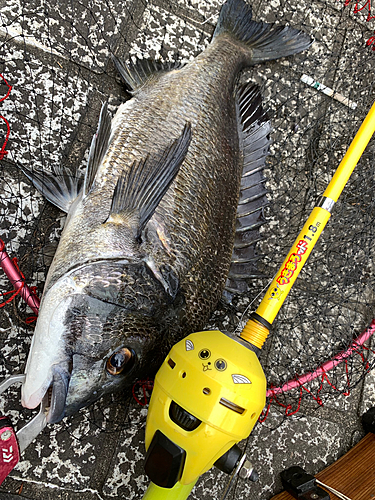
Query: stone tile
[202,13]
[354,54]
[210,485]
[83,32]
[99,453]
[182,37]
[46,105]
[126,476]
[72,457]
[362,12]
[310,442]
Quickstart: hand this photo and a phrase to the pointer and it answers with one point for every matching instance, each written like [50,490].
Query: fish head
[94,339]
[111,354]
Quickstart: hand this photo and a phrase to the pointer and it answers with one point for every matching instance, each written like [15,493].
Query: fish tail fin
[266,41]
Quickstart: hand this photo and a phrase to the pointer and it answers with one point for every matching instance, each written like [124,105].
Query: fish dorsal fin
[60,187]
[254,135]
[98,149]
[142,187]
[136,74]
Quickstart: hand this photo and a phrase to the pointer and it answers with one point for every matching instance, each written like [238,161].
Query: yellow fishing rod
[211,388]
[257,328]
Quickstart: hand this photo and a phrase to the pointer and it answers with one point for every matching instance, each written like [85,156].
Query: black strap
[261,320]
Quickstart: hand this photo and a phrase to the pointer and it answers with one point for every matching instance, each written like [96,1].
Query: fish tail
[266,41]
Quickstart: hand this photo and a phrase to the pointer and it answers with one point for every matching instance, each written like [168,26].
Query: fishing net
[56,71]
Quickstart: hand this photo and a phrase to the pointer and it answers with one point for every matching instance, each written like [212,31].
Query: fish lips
[60,387]
[58,390]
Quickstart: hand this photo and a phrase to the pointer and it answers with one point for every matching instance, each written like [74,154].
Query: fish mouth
[57,390]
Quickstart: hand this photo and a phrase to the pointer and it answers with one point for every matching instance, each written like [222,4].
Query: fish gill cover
[56,71]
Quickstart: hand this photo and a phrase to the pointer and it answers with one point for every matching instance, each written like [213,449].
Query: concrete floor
[60,72]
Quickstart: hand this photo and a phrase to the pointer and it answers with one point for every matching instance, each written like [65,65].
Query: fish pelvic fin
[60,187]
[254,129]
[142,187]
[136,75]
[98,148]
[267,41]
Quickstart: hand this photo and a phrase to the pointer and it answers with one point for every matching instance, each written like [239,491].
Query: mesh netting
[56,57]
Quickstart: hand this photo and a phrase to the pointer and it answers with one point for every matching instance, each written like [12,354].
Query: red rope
[2,150]
[370,41]
[273,391]
[368,5]
[146,386]
[357,9]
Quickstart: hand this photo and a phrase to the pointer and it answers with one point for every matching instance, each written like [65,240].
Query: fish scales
[198,211]
[147,245]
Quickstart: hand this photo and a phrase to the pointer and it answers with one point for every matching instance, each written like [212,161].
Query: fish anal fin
[140,189]
[137,74]
[125,217]
[254,131]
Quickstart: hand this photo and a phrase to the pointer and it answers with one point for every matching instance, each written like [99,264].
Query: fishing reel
[208,395]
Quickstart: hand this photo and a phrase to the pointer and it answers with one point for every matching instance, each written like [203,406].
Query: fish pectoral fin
[59,187]
[98,148]
[136,75]
[141,188]
[166,277]
[62,187]
[47,252]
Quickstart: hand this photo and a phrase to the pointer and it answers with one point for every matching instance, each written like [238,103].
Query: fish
[164,221]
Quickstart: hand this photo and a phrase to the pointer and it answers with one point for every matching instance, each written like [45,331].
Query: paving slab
[296,442]
[58,61]
[82,32]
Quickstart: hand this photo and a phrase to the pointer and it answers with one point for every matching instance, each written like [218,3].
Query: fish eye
[119,360]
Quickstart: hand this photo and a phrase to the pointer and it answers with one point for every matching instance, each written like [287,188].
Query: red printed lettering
[292,263]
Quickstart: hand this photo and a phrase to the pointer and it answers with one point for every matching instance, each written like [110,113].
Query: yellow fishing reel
[208,395]
[211,388]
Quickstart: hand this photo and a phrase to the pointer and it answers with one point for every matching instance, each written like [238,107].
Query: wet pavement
[99,453]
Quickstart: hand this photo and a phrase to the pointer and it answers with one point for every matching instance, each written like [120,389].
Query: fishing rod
[211,388]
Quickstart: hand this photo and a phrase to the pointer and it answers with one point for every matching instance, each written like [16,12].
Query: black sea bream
[166,214]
